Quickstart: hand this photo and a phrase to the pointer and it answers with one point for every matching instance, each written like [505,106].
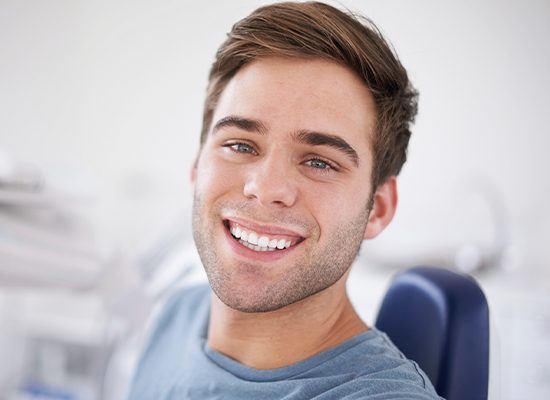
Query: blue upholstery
[440,319]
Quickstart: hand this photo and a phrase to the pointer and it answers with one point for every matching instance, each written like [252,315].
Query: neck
[286,336]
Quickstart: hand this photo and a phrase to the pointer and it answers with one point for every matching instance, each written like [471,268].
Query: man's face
[288,161]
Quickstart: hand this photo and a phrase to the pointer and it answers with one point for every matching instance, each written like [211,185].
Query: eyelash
[331,166]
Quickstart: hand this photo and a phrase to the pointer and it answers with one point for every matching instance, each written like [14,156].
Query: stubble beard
[316,270]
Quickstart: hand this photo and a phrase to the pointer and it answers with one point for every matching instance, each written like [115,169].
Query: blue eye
[319,164]
[322,167]
[241,148]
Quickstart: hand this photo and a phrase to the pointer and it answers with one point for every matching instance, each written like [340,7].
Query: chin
[248,298]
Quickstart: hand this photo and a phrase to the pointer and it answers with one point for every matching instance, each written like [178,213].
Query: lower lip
[266,256]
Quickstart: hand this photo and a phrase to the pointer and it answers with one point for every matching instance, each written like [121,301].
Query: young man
[306,125]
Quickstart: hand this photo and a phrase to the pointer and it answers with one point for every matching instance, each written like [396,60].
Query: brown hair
[314,29]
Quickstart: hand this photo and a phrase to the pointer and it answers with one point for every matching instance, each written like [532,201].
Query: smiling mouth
[258,241]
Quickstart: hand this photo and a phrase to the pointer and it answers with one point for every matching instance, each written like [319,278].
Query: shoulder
[380,369]
[180,318]
[181,307]
[186,298]
[177,325]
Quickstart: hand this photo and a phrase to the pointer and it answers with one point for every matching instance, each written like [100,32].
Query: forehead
[294,94]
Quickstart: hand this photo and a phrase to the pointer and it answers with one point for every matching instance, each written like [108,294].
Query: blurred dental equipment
[475,230]
[44,240]
[73,309]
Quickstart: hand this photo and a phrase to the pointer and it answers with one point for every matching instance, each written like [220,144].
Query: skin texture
[272,314]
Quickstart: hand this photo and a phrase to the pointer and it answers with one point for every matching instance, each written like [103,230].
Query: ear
[383,209]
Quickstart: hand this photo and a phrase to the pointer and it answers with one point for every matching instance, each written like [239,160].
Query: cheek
[214,177]
[323,206]
[335,206]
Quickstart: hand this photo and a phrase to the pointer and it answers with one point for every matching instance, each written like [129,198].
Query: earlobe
[383,209]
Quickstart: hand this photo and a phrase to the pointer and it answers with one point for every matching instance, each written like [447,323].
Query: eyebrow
[305,136]
[246,124]
[324,139]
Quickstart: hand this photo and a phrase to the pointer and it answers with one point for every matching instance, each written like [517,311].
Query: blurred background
[100,111]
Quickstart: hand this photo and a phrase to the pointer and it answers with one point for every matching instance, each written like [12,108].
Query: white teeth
[258,243]
[253,238]
[255,248]
[263,241]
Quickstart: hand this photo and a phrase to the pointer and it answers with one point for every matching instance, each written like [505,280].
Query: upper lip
[262,228]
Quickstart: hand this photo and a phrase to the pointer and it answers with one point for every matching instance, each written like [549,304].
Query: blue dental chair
[440,319]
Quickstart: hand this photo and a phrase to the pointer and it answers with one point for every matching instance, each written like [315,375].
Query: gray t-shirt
[179,364]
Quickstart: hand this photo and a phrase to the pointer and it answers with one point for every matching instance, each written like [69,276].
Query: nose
[270,181]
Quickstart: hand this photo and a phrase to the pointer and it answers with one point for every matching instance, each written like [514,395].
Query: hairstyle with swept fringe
[318,30]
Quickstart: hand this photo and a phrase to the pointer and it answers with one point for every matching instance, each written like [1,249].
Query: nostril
[271,191]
